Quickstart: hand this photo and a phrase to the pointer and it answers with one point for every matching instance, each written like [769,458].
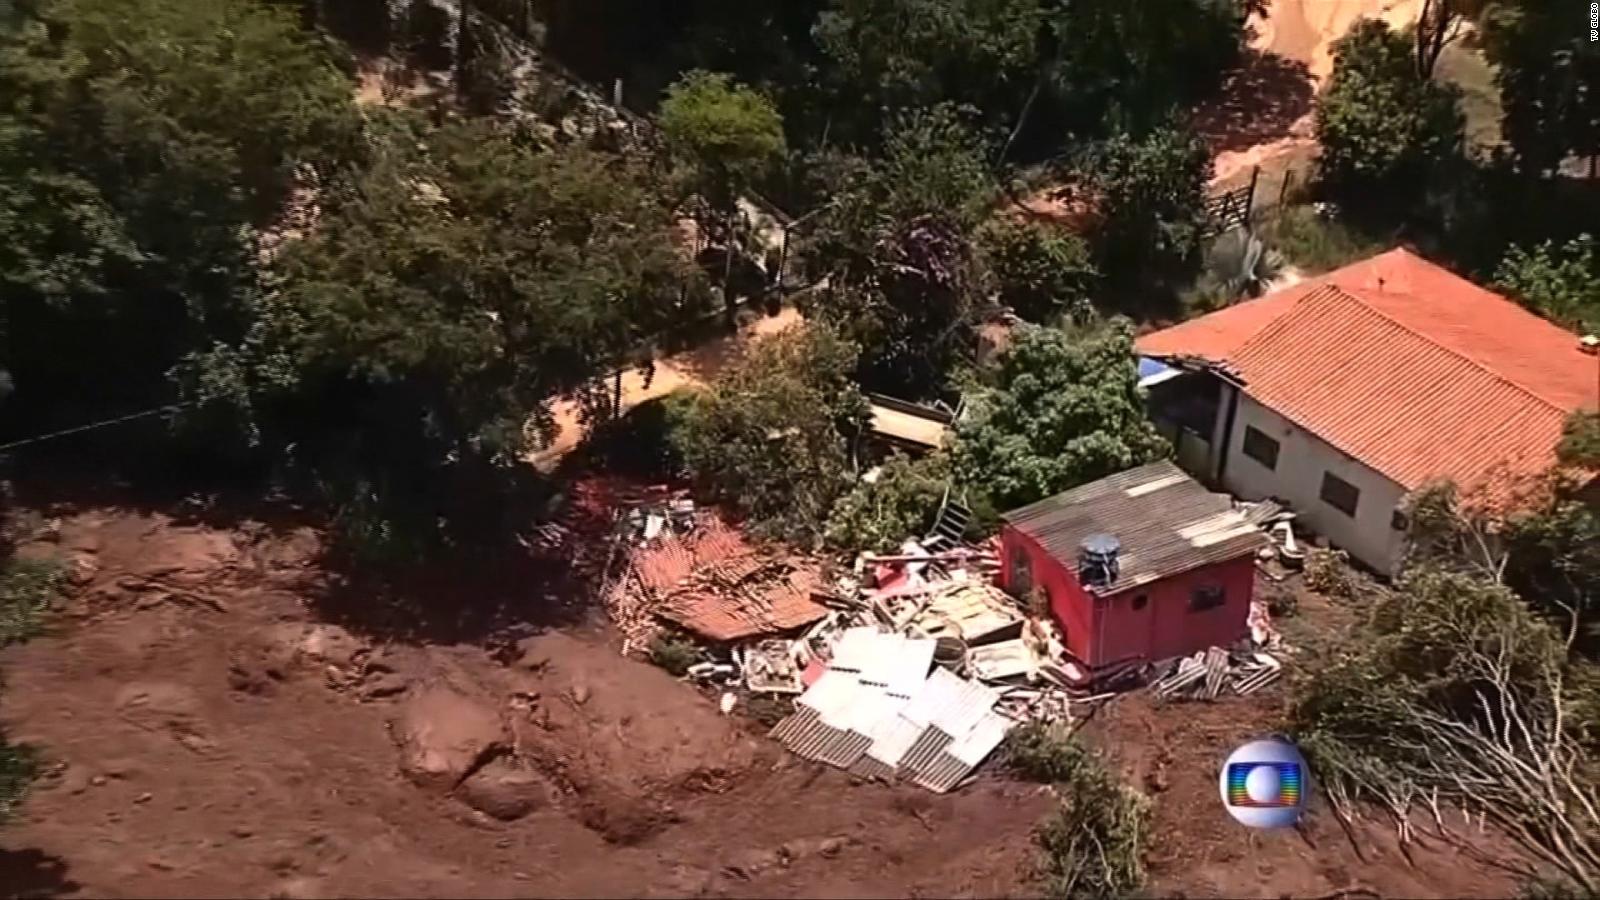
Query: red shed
[1143,565]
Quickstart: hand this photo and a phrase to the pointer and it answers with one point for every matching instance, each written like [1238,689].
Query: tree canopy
[1382,127]
[773,434]
[143,146]
[1065,408]
[1548,73]
[1561,283]
[448,292]
[729,133]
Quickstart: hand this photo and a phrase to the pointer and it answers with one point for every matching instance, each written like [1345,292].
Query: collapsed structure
[914,665]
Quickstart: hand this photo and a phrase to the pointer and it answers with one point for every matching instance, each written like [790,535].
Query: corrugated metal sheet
[922,755]
[1166,521]
[942,774]
[899,664]
[896,737]
[845,721]
[853,651]
[975,746]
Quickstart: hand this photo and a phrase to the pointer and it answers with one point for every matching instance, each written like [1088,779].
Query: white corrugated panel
[872,705]
[940,690]
[855,650]
[975,746]
[900,664]
[896,736]
[964,708]
[832,696]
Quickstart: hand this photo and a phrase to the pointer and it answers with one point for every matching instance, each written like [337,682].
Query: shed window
[1399,521]
[1207,596]
[1340,494]
[1260,448]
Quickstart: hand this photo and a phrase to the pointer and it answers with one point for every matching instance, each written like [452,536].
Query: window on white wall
[1340,494]
[1260,448]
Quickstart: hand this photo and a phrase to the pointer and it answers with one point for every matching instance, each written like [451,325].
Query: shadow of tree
[1259,101]
[32,873]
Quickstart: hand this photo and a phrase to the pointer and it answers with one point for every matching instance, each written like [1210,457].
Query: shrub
[1044,752]
[644,441]
[1314,242]
[674,654]
[900,503]
[1093,843]
[26,588]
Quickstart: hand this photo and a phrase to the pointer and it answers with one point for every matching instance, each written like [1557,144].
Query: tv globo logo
[1265,783]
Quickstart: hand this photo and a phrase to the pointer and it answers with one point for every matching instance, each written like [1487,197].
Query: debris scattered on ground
[692,569]
[1205,675]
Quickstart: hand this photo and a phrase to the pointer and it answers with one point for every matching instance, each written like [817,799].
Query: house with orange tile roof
[1344,393]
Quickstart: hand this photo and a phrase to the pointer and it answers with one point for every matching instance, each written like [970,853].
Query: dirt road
[691,368]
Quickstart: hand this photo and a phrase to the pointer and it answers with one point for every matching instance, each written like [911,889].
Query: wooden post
[1250,198]
[1283,192]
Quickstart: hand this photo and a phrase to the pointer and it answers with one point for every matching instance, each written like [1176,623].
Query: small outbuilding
[1143,565]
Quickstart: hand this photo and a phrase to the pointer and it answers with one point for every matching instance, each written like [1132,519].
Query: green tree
[772,435]
[1037,71]
[1382,128]
[1548,72]
[899,503]
[1041,270]
[1560,283]
[1152,199]
[1065,409]
[144,146]
[1580,440]
[450,290]
[905,54]
[727,132]
[897,249]
[727,136]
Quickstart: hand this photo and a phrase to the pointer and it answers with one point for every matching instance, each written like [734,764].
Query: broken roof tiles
[715,584]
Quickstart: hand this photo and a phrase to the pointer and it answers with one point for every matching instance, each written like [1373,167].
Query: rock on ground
[504,790]
[444,734]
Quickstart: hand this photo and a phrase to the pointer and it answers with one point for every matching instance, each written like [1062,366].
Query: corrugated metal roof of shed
[1167,523]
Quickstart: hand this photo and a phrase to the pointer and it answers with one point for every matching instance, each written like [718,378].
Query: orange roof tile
[1405,366]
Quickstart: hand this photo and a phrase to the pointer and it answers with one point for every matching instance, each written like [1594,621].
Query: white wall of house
[1303,458]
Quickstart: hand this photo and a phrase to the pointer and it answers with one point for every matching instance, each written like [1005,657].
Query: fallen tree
[1456,694]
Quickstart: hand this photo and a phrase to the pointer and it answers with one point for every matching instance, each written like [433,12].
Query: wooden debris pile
[1205,675]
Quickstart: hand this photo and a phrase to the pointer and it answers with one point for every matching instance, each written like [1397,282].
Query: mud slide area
[1263,116]
[204,734]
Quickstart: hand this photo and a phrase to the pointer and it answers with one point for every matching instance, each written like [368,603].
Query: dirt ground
[207,731]
[206,735]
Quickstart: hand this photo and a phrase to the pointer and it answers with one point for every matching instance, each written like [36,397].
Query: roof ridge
[1335,289]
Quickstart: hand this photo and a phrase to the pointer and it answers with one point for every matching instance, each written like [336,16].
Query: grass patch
[18,767]
[1315,243]
[26,588]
